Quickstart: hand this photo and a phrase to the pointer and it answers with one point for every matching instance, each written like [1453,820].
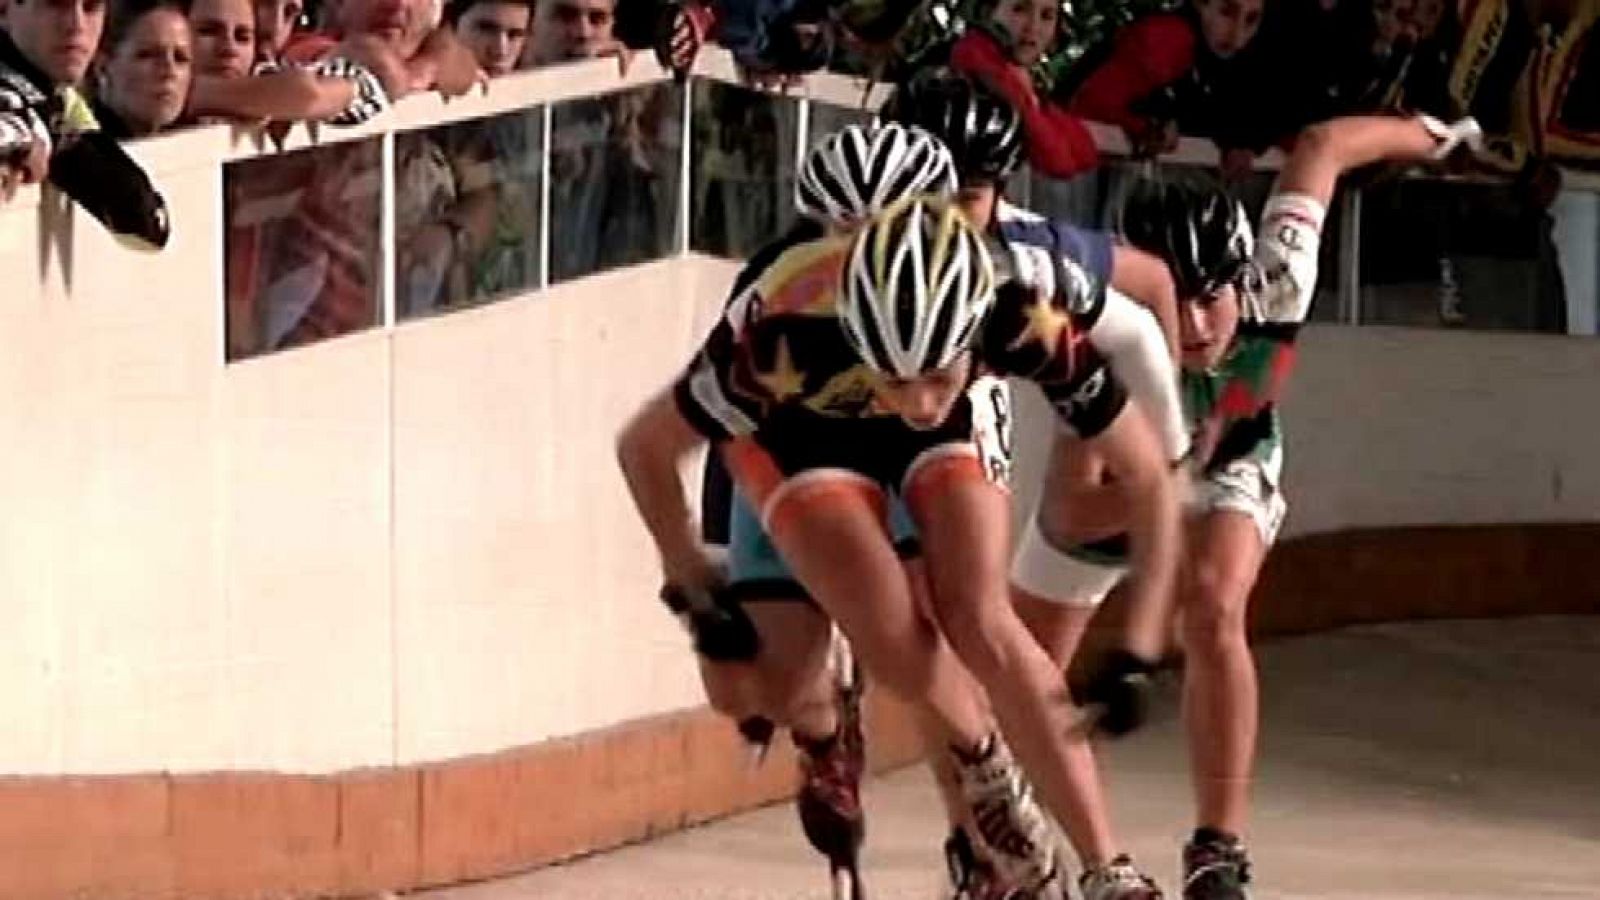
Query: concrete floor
[1442,760]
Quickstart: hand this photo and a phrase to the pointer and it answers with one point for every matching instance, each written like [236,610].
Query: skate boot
[1117,880]
[1463,134]
[829,799]
[971,876]
[1020,840]
[1215,867]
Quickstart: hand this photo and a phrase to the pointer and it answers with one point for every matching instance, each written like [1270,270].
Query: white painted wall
[401,545]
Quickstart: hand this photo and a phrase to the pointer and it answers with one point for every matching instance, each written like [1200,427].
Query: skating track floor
[1456,759]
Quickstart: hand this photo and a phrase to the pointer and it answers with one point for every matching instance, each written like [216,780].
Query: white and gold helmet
[917,285]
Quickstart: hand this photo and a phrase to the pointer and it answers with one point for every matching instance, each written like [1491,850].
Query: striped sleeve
[705,392]
[21,126]
[370,98]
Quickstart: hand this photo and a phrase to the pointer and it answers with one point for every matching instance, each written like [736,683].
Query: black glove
[1120,687]
[721,629]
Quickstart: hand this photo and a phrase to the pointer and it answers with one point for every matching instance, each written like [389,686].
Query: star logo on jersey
[1045,323]
[783,381]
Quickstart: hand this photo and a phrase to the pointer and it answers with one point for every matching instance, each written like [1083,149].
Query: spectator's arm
[24,145]
[1147,56]
[1059,144]
[366,96]
[336,90]
[22,128]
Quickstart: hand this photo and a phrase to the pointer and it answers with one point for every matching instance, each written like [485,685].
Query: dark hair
[455,9]
[124,14]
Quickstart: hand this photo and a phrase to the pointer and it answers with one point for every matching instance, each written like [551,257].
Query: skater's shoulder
[802,278]
[760,261]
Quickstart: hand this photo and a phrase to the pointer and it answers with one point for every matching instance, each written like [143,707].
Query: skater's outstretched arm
[1290,236]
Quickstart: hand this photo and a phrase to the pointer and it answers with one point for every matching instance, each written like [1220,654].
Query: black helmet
[983,131]
[1200,231]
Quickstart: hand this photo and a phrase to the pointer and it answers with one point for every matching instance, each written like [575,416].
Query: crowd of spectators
[1247,75]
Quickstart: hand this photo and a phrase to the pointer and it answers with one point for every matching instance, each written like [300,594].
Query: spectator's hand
[1237,163]
[391,71]
[25,168]
[624,55]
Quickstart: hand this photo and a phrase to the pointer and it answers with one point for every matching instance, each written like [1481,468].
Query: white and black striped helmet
[858,171]
[917,285]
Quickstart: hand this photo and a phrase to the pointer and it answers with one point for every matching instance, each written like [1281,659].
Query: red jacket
[1147,55]
[1059,144]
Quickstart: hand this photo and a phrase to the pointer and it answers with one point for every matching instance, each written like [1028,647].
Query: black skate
[1215,867]
[829,799]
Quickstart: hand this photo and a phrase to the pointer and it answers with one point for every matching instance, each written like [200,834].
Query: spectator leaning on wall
[231,85]
[398,40]
[495,31]
[47,128]
[1185,71]
[566,30]
[319,279]
[1002,53]
[144,68]
[607,177]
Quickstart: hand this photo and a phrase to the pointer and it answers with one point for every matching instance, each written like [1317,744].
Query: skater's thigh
[793,629]
[1222,559]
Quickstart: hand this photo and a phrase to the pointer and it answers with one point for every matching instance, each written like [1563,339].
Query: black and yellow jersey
[779,356]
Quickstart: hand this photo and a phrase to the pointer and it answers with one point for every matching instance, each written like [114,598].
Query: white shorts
[1070,577]
[1083,576]
[1250,486]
